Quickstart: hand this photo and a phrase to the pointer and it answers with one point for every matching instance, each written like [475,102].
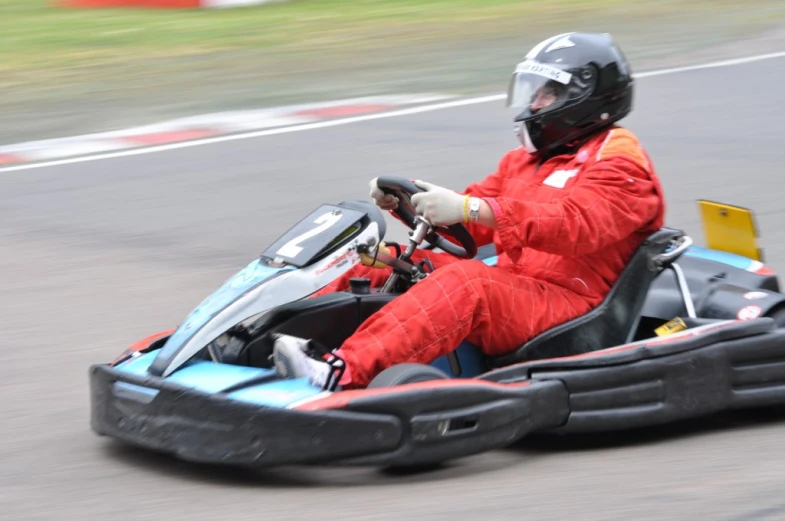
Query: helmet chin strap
[522,131]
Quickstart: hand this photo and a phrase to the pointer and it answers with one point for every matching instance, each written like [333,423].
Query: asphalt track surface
[96,255]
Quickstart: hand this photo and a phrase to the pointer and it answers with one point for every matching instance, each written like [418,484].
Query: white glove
[382,200]
[440,206]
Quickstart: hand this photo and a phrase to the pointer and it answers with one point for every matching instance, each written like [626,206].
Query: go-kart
[686,331]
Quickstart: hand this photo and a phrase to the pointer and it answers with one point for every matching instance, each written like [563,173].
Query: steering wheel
[403,189]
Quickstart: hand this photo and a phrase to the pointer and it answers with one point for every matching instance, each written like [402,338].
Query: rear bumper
[401,427]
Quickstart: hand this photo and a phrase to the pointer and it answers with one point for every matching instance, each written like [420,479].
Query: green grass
[42,42]
[65,71]
[38,39]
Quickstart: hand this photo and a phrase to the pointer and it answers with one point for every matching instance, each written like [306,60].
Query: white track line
[358,119]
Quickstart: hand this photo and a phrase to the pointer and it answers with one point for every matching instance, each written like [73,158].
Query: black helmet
[587,83]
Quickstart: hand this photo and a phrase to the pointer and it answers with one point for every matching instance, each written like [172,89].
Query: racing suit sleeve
[488,188]
[613,198]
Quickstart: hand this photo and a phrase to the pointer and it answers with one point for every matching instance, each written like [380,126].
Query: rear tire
[406,374]
[778,314]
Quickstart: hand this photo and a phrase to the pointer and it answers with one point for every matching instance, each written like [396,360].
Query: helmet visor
[538,88]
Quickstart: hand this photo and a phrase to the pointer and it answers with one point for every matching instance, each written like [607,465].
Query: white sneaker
[292,361]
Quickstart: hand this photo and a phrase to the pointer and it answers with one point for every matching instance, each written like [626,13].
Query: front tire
[406,374]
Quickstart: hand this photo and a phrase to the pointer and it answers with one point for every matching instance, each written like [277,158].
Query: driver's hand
[440,206]
[382,200]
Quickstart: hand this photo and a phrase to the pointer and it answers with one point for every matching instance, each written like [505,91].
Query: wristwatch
[474,209]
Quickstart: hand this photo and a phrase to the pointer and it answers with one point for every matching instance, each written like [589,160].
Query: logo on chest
[559,178]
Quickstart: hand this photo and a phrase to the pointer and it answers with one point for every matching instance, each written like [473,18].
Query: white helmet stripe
[540,46]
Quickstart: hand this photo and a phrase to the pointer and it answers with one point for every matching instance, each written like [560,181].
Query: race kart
[686,331]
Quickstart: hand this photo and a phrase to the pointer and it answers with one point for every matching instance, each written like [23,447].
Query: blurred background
[95,255]
[66,71]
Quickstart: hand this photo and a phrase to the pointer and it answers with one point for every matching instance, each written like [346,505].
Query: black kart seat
[615,320]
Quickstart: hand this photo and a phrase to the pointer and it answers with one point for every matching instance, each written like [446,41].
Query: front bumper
[401,427]
[196,426]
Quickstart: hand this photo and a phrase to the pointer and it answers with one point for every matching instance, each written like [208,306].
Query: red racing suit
[565,230]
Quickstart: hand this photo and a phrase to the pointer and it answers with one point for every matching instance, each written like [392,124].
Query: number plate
[306,239]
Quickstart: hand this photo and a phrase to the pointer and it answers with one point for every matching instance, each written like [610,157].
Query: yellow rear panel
[730,228]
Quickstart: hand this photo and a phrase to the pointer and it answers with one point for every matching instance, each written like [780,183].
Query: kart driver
[566,211]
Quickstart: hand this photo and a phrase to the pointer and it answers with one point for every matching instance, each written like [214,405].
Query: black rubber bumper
[737,373]
[737,365]
[727,366]
[405,427]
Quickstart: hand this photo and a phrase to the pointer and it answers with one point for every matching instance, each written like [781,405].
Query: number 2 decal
[292,248]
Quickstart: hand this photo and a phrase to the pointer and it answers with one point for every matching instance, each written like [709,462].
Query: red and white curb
[204,126]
